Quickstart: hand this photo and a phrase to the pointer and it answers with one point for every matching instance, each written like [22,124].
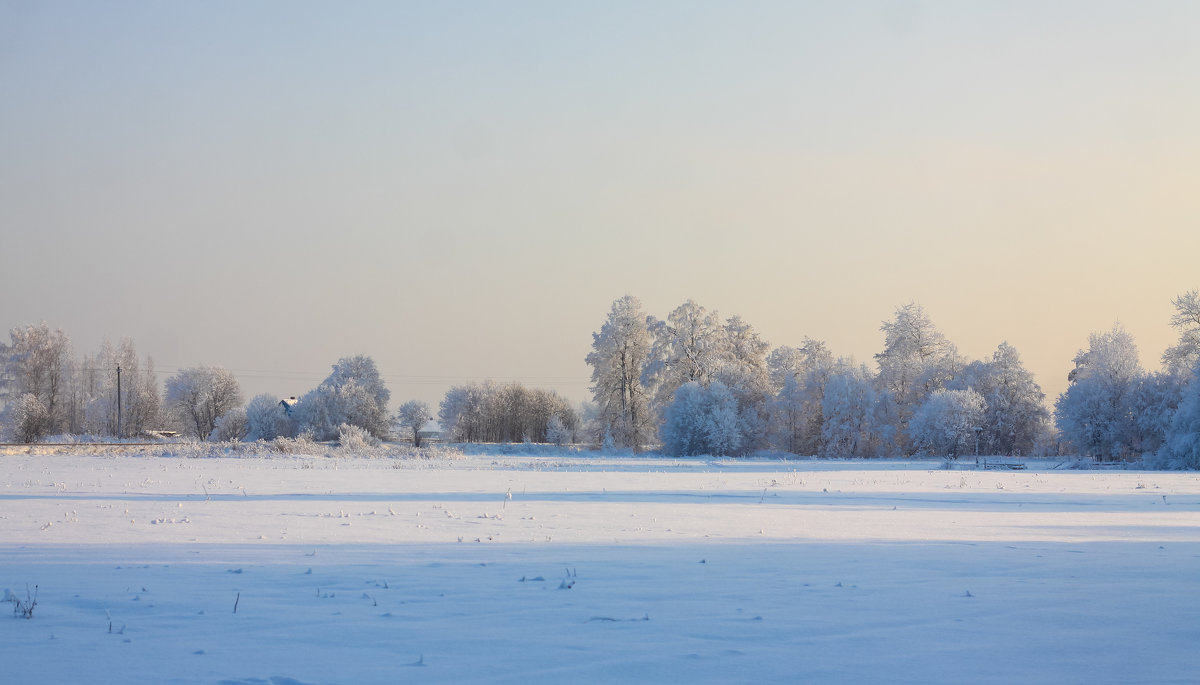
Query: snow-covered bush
[30,420]
[355,439]
[702,421]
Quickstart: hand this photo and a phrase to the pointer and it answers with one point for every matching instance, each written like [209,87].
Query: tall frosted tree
[1182,358]
[855,420]
[798,376]
[1015,417]
[200,395]
[1098,411]
[139,405]
[37,362]
[619,357]
[916,361]
[742,368]
[462,411]
[354,394]
[1181,443]
[689,347]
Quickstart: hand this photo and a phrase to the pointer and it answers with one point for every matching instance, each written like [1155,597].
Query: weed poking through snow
[23,607]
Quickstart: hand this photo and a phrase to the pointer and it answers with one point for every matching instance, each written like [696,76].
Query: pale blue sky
[461,189]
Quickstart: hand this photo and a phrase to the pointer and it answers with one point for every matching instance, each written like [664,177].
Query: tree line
[696,384]
[47,390]
[692,383]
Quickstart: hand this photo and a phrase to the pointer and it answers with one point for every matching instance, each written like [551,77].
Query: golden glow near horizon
[461,191]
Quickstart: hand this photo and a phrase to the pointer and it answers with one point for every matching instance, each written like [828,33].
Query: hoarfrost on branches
[352,394]
[266,419]
[1182,358]
[947,422]
[199,395]
[619,358]
[702,420]
[411,417]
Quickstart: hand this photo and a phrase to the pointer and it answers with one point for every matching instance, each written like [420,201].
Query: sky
[460,190]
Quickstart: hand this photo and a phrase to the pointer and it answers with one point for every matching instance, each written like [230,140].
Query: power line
[403,379]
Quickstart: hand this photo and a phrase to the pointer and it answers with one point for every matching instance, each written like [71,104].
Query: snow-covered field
[592,569]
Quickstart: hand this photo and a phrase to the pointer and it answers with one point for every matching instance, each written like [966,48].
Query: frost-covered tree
[266,419]
[743,369]
[1181,442]
[789,417]
[461,412]
[702,420]
[1016,417]
[1098,412]
[693,346]
[557,432]
[502,413]
[411,417]
[352,394]
[948,422]
[798,377]
[1182,358]
[199,395]
[916,361]
[37,361]
[851,407]
[689,347]
[743,359]
[230,426]
[1153,401]
[796,362]
[591,424]
[619,356]
[139,407]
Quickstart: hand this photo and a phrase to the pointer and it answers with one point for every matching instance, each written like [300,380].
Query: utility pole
[118,401]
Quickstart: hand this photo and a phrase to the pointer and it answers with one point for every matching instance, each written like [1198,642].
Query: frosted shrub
[30,419]
[302,444]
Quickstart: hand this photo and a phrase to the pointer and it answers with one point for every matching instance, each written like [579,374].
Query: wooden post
[118,401]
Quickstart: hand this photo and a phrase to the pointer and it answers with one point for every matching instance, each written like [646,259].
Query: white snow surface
[578,569]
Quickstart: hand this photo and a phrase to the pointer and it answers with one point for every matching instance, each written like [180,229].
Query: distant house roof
[431,429]
[288,404]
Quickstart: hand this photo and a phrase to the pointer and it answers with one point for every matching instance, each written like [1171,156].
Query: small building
[289,405]
[430,432]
